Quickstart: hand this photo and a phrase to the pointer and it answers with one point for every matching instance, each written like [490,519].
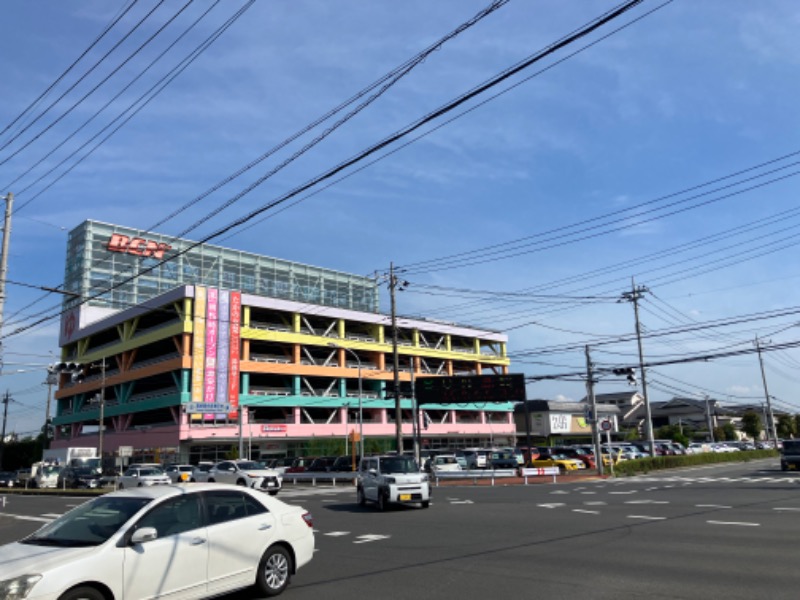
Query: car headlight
[18,587]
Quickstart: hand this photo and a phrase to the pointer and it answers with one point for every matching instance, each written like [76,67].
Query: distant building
[551,420]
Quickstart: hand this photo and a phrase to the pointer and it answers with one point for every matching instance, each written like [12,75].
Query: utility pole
[709,420]
[593,403]
[3,434]
[396,363]
[634,296]
[772,431]
[9,198]
[52,379]
[102,411]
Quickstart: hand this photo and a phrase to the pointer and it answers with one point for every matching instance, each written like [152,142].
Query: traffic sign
[208,407]
[605,425]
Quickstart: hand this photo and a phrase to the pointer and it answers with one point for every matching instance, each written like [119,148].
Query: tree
[729,432]
[787,426]
[751,424]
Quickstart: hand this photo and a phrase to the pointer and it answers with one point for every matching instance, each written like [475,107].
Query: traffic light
[628,372]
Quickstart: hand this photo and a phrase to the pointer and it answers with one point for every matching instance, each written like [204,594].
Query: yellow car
[564,463]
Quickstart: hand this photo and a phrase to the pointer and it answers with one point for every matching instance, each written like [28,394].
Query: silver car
[143,476]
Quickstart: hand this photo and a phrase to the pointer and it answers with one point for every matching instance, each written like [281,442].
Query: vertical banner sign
[212,328]
[198,344]
[223,358]
[233,368]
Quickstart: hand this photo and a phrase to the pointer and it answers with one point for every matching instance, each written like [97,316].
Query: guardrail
[539,471]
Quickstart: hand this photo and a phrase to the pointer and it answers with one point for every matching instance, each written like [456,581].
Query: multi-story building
[217,348]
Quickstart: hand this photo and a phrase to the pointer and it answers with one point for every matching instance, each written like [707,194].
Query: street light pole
[360,394]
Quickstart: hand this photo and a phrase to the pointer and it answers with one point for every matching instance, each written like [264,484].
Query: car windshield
[90,524]
[249,464]
[398,464]
[83,472]
[143,472]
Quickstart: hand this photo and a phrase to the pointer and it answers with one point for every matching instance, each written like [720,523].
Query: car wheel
[242,483]
[121,486]
[274,571]
[274,493]
[426,503]
[381,501]
[192,480]
[82,593]
[210,480]
[360,498]
[562,470]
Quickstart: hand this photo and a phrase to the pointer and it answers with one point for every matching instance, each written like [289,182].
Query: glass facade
[118,267]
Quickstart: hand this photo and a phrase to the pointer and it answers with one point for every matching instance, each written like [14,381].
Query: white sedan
[164,541]
[142,476]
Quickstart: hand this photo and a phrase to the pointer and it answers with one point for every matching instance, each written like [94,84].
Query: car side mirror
[145,534]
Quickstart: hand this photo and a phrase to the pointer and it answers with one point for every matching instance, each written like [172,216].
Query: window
[174,516]
[226,506]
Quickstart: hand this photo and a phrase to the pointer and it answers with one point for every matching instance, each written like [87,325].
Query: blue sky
[687,95]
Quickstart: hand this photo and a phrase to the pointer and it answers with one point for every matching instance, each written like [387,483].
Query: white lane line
[461,502]
[27,518]
[588,493]
[337,533]
[646,517]
[588,512]
[787,508]
[595,503]
[712,506]
[646,502]
[560,492]
[736,523]
[552,505]
[628,492]
[52,515]
[363,539]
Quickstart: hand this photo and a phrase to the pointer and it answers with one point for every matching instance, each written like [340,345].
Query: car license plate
[405,497]
[270,484]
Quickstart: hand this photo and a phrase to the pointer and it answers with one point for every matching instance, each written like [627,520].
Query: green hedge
[660,463]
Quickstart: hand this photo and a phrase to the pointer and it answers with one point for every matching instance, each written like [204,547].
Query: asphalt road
[720,532]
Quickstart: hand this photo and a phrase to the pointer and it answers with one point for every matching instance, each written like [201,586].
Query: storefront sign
[273,429]
[136,246]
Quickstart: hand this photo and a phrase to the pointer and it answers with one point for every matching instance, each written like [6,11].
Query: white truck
[44,474]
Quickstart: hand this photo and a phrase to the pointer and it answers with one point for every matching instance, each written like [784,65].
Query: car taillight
[308,519]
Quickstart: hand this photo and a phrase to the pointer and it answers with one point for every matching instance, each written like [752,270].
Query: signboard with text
[469,389]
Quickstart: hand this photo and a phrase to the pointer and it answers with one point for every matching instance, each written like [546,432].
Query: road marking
[27,518]
[647,502]
[461,502]
[738,523]
[588,493]
[646,517]
[781,508]
[628,492]
[364,539]
[588,512]
[53,515]
[337,533]
[560,492]
[712,506]
[595,503]
[553,505]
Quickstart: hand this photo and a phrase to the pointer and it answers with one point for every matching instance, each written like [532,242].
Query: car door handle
[197,541]
[264,527]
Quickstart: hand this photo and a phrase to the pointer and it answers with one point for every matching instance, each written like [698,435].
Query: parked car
[563,463]
[8,479]
[476,459]
[392,479]
[281,464]
[344,464]
[584,455]
[142,543]
[321,464]
[246,473]
[443,462]
[300,464]
[79,478]
[502,459]
[461,458]
[200,473]
[179,473]
[142,476]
